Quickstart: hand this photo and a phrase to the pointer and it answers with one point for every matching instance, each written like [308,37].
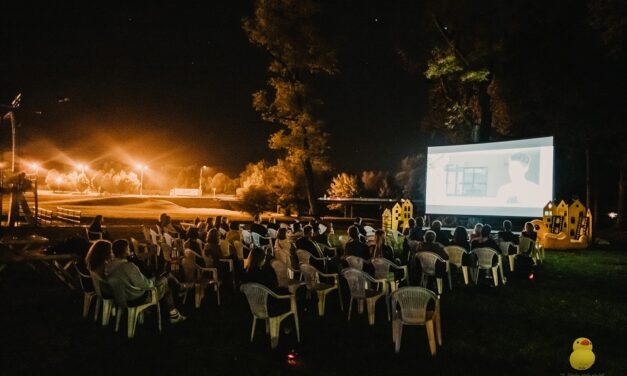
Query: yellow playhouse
[398,218]
[564,226]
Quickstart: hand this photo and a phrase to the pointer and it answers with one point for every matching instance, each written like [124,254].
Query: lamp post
[200,181]
[141,168]
[214,193]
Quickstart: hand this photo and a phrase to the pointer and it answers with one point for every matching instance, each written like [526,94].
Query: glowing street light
[58,180]
[141,168]
[82,167]
[35,167]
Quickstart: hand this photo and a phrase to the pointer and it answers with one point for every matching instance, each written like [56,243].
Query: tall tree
[286,30]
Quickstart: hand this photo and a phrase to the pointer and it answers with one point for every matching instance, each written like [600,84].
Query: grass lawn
[526,327]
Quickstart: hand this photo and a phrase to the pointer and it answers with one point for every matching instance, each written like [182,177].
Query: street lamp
[141,168]
[82,167]
[200,181]
[214,193]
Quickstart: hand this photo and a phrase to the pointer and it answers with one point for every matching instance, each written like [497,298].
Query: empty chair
[257,296]
[456,255]
[428,263]
[505,251]
[283,277]
[322,289]
[485,257]
[385,269]
[411,306]
[200,276]
[87,286]
[359,284]
[105,297]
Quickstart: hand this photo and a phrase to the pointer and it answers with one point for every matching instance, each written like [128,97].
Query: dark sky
[173,83]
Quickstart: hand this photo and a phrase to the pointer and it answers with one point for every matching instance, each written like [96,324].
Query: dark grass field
[524,328]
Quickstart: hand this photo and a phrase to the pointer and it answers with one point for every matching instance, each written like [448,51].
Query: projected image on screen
[513,178]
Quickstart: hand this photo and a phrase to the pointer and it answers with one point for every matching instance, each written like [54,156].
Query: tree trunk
[311,193]
[621,221]
[485,124]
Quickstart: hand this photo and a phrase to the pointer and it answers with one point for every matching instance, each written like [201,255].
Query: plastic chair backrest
[355,262]
[369,230]
[525,245]
[310,274]
[166,250]
[82,280]
[146,233]
[154,237]
[225,248]
[257,296]
[100,285]
[239,249]
[272,233]
[283,255]
[428,261]
[168,238]
[504,246]
[343,240]
[356,282]
[455,254]
[303,256]
[280,269]
[414,245]
[413,302]
[484,256]
[247,237]
[382,267]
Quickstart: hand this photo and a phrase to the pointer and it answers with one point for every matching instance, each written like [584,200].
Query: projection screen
[510,179]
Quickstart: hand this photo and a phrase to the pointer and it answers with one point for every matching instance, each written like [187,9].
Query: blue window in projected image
[466,181]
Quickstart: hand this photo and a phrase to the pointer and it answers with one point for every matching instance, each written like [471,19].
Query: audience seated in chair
[354,246]
[233,234]
[530,232]
[259,270]
[441,236]
[416,232]
[120,269]
[96,227]
[431,245]
[98,256]
[476,232]
[460,238]
[485,241]
[507,235]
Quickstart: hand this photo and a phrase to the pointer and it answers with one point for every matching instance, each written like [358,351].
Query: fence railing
[44,216]
[69,215]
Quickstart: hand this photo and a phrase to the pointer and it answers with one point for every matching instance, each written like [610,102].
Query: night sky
[172,84]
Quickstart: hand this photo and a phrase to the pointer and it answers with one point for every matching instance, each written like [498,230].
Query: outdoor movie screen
[511,178]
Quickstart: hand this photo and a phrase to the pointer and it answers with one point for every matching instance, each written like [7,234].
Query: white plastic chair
[410,308]
[312,281]
[257,242]
[358,284]
[455,255]
[225,249]
[105,297]
[527,245]
[201,277]
[239,249]
[89,293]
[272,233]
[304,257]
[428,261]
[505,247]
[247,238]
[283,277]
[257,296]
[135,312]
[383,270]
[355,262]
[484,262]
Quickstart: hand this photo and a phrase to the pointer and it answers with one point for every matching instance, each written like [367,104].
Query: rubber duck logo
[582,357]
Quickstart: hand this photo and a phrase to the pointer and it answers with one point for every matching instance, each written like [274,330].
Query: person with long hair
[380,249]
[96,227]
[476,233]
[283,247]
[212,249]
[98,256]
[460,238]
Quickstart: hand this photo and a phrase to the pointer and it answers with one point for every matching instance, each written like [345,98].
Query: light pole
[214,193]
[200,181]
[141,168]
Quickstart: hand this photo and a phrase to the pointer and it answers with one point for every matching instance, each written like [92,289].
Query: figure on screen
[519,190]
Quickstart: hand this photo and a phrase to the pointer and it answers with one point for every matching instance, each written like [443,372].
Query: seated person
[360,227]
[193,242]
[258,270]
[297,230]
[96,226]
[212,252]
[98,256]
[417,232]
[354,246]
[507,235]
[260,229]
[530,232]
[476,233]
[486,240]
[460,238]
[431,245]
[307,243]
[272,224]
[120,270]
[283,247]
[233,234]
[167,227]
[441,236]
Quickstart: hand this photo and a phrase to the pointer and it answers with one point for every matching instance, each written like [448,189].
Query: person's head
[234,225]
[162,218]
[167,220]
[218,221]
[420,222]
[518,166]
[213,236]
[99,253]
[257,218]
[281,233]
[353,232]
[486,231]
[358,221]
[430,236]
[272,220]
[296,226]
[308,231]
[192,233]
[196,221]
[120,248]
[98,219]
[529,227]
[255,258]
[460,236]
[478,228]
[225,221]
[316,228]
[507,225]
[436,225]
[209,221]
[411,223]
